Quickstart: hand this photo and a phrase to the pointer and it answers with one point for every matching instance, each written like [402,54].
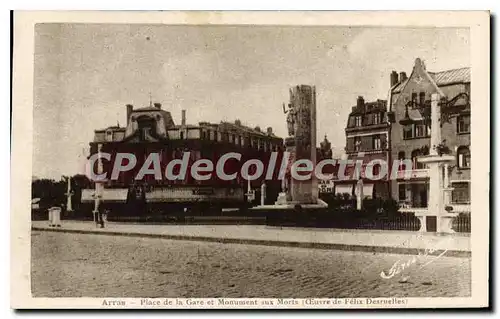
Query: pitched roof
[399,86]
[442,78]
[461,75]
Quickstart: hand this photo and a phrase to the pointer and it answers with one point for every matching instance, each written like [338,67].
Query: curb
[294,244]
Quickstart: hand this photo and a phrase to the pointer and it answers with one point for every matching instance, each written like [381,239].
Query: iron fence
[462,223]
[340,218]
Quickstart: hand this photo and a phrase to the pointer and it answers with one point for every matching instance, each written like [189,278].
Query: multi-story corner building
[152,130]
[367,135]
[409,103]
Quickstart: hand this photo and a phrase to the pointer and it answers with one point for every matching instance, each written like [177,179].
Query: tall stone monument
[437,177]
[301,143]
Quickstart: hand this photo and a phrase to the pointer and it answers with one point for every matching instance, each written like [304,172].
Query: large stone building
[367,135]
[409,103]
[152,130]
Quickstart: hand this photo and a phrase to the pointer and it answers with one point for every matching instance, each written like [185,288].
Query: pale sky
[86,73]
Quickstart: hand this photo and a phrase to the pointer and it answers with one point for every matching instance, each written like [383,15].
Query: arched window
[147,126]
[414,155]
[417,153]
[463,157]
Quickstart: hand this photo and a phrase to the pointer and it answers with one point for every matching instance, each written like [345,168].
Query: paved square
[83,265]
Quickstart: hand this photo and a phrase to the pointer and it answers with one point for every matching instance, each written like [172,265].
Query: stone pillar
[446,185]
[69,206]
[263,194]
[359,194]
[303,143]
[314,180]
[436,206]
[435,123]
[99,186]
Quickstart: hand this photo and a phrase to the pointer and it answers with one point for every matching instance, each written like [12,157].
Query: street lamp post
[99,189]
[69,193]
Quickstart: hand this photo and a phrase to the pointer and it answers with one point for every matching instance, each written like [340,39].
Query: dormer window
[376,118]
[147,127]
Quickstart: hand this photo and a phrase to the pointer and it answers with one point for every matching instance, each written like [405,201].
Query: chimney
[394,78]
[157,105]
[402,76]
[183,120]
[130,109]
[360,104]
[269,131]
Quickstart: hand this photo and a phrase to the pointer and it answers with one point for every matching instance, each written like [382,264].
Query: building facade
[152,130]
[324,152]
[409,105]
[367,136]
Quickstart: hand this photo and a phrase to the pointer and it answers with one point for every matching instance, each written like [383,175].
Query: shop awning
[413,181]
[342,189]
[87,195]
[117,195]
[415,115]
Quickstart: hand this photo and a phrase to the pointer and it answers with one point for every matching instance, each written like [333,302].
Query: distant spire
[150,100]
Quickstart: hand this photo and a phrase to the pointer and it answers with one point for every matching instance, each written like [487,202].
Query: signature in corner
[399,266]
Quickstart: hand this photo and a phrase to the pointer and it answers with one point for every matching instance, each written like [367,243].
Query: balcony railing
[413,173]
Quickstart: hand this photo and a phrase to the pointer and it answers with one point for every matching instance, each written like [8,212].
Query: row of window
[420,101]
[256,143]
[376,118]
[418,130]
[414,155]
[419,193]
[376,143]
[463,158]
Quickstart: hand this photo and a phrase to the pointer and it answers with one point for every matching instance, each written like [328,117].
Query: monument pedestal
[301,191]
[444,222]
[437,202]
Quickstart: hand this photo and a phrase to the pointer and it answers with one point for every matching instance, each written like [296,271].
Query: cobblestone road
[82,265]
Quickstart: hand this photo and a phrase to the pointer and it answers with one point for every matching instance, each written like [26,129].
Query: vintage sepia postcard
[239,160]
